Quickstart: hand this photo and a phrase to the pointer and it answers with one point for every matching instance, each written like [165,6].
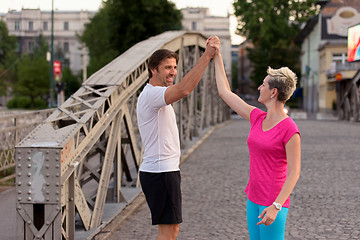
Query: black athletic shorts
[163,195]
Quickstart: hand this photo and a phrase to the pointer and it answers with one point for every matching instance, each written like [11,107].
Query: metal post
[51,101]
[84,63]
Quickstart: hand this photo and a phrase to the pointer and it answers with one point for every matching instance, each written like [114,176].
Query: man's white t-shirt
[158,130]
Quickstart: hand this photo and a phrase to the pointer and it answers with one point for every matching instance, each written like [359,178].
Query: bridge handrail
[12,119]
[15,126]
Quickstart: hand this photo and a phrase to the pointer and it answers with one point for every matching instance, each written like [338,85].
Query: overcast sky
[217,8]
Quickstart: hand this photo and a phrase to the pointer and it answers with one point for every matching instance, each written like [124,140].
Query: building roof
[329,14]
[333,42]
[309,26]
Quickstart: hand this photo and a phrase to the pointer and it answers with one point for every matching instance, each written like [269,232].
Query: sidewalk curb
[6,191]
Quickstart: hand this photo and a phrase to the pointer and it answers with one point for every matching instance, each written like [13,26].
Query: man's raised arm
[192,78]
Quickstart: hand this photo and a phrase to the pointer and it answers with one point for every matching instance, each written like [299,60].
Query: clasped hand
[213,45]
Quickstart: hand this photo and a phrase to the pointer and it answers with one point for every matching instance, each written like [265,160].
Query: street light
[51,101]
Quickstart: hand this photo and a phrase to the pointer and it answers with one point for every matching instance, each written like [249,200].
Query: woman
[274,148]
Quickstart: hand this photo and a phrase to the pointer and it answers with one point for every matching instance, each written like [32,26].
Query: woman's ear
[274,91]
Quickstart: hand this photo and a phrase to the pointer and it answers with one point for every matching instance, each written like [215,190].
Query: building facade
[28,24]
[324,54]
[199,19]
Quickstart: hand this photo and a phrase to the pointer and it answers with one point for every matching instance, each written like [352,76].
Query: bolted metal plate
[38,175]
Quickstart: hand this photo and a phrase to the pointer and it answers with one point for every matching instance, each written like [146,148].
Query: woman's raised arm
[230,98]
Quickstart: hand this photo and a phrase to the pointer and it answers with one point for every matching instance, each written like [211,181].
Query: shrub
[23,102]
[19,102]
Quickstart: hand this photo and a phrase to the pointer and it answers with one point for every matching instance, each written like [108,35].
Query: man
[159,172]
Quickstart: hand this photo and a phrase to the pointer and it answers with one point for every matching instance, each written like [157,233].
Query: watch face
[277,205]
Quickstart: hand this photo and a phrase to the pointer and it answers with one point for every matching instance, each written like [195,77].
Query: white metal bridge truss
[88,151]
[348,98]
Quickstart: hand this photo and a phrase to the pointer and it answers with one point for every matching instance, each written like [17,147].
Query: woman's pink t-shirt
[268,163]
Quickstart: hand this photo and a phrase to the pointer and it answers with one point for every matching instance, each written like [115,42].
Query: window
[45,26]
[31,26]
[66,47]
[66,25]
[17,25]
[339,58]
[193,26]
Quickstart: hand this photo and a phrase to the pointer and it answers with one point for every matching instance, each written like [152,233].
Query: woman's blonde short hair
[284,80]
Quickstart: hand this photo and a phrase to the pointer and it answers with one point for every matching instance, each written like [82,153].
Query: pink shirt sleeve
[255,114]
[291,129]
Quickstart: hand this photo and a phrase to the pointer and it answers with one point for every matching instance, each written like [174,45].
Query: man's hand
[212,46]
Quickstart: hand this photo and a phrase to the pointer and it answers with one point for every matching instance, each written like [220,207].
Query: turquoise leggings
[275,231]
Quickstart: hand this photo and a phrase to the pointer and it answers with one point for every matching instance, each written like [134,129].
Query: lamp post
[51,101]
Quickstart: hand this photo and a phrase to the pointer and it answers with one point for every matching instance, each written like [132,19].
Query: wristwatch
[277,205]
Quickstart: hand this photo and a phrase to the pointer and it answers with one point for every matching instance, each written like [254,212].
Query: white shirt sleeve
[156,97]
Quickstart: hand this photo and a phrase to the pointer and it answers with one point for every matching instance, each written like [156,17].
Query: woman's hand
[268,215]
[214,42]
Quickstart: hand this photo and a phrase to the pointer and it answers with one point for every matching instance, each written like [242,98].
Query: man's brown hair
[158,56]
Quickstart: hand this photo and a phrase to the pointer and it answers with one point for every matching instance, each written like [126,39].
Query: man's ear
[153,70]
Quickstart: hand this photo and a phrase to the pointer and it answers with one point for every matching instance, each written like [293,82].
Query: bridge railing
[14,127]
[87,153]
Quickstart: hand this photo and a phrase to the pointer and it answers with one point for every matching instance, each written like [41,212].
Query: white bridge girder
[348,98]
[84,153]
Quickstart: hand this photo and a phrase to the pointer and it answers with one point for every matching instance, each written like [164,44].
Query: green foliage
[8,75]
[33,74]
[3,82]
[40,103]
[261,58]
[292,103]
[121,24]
[7,58]
[72,82]
[272,25]
[19,102]
[7,42]
[23,102]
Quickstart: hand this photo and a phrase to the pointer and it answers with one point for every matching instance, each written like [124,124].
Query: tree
[33,73]
[272,25]
[72,83]
[7,59]
[120,24]
[7,42]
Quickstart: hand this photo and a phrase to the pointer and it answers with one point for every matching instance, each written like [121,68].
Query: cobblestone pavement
[324,205]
